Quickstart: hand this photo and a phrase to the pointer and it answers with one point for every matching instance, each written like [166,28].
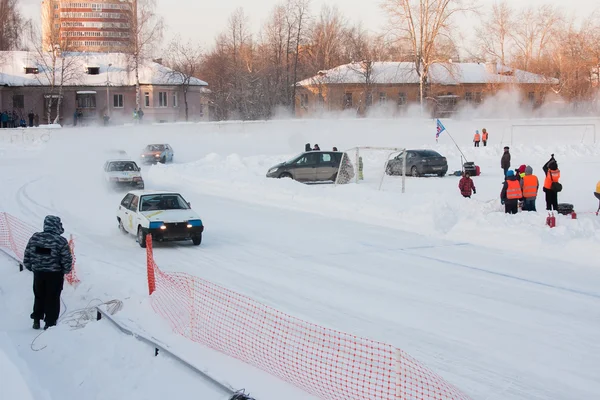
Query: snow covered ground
[501,306]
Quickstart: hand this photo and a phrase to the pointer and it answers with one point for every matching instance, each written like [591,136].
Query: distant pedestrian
[141,115]
[4,119]
[466,185]
[335,148]
[36,120]
[484,137]
[505,161]
[551,184]
[49,257]
[316,148]
[75,117]
[511,193]
[30,117]
[477,138]
[530,186]
[307,147]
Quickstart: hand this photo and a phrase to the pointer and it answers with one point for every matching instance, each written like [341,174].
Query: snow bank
[14,385]
[431,206]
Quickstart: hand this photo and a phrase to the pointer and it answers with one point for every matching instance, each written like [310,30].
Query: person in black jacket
[49,257]
[505,161]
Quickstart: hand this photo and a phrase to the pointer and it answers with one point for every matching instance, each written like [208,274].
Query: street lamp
[107,93]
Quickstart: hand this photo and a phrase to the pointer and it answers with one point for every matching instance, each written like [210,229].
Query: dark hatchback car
[418,163]
[314,166]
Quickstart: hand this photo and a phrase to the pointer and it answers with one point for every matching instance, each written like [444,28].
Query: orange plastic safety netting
[14,236]
[323,362]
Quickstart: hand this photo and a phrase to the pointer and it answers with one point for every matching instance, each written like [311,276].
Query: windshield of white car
[155,147]
[160,202]
[119,166]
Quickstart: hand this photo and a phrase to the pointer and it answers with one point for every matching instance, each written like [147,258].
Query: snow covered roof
[14,63]
[385,72]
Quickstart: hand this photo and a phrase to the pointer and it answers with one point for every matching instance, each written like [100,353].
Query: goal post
[368,164]
[578,131]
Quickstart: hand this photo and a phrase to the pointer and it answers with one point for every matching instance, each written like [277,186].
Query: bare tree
[184,63]
[56,65]
[424,23]
[494,35]
[326,37]
[301,14]
[12,25]
[533,34]
[147,28]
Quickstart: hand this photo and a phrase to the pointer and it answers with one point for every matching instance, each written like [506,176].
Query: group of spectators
[12,119]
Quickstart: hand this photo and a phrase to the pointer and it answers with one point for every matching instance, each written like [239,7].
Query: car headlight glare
[157,155]
[163,227]
[274,169]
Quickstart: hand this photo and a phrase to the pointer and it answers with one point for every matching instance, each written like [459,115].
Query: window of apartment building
[56,6]
[18,101]
[93,70]
[55,16]
[175,100]
[369,99]
[86,100]
[468,97]
[348,100]
[147,99]
[118,101]
[97,7]
[382,97]
[31,70]
[531,97]
[478,97]
[401,99]
[162,99]
[304,100]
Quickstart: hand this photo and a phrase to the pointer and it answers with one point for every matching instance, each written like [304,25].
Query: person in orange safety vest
[530,186]
[511,193]
[484,137]
[477,138]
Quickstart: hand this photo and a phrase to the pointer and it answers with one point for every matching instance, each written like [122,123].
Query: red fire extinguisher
[551,220]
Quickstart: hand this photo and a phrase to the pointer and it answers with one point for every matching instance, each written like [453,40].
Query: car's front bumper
[176,232]
[135,184]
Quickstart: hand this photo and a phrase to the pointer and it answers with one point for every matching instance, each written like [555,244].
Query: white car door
[123,212]
[133,217]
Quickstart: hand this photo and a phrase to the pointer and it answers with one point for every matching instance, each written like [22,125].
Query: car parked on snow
[418,163]
[164,215]
[119,173]
[157,153]
[314,166]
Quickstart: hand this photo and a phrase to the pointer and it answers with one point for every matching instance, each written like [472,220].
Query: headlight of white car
[273,170]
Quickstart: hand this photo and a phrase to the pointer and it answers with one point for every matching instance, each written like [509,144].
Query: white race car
[164,215]
[123,173]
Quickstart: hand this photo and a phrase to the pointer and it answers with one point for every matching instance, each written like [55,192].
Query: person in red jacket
[466,185]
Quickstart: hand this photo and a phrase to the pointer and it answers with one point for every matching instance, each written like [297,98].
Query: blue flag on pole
[440,129]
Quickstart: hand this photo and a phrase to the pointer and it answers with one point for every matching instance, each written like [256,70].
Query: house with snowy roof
[394,85]
[97,85]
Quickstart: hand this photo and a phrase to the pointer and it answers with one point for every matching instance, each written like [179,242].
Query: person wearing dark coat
[505,161]
[552,176]
[31,115]
[316,147]
[511,193]
[307,147]
[49,257]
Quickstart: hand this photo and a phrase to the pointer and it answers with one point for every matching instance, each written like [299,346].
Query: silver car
[314,166]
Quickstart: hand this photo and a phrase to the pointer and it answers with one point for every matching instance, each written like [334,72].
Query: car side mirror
[189,204]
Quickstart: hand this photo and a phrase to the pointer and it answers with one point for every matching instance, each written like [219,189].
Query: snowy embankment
[430,206]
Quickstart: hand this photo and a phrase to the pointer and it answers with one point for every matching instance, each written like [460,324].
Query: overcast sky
[203,20]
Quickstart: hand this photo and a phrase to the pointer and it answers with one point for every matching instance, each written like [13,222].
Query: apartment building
[88,25]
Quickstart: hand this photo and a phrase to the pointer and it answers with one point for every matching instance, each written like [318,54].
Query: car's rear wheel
[285,175]
[197,239]
[440,174]
[163,160]
[414,171]
[141,237]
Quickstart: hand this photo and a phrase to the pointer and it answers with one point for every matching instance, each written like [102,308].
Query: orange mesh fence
[14,236]
[323,362]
